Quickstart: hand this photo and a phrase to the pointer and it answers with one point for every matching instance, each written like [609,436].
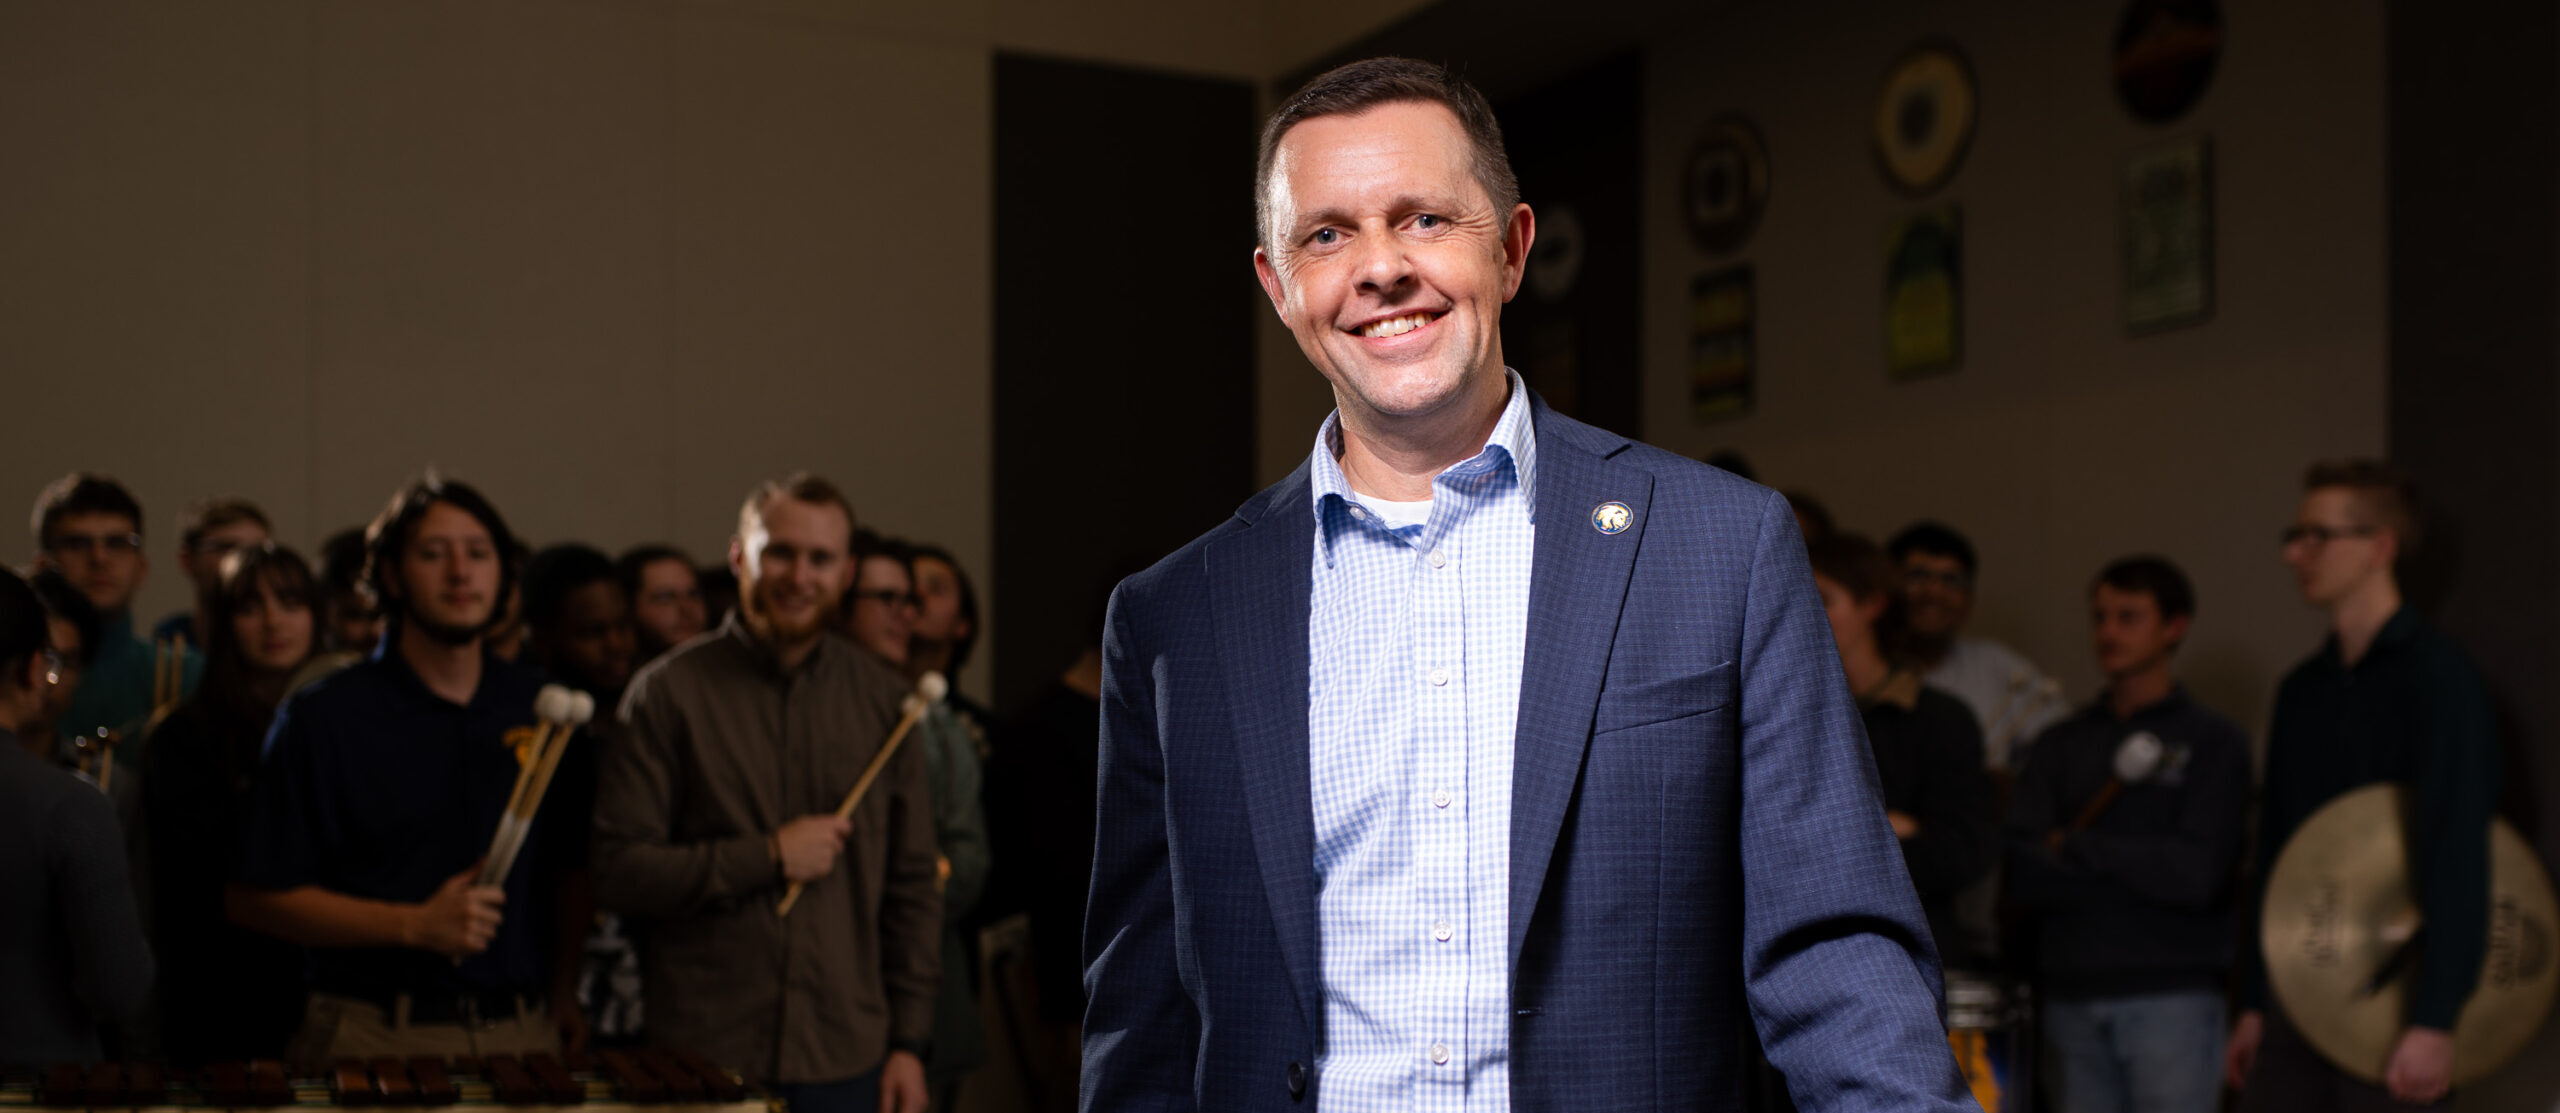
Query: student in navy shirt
[382,787]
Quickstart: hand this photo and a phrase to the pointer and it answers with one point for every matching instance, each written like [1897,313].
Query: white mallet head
[582,708]
[932,687]
[913,706]
[2138,757]
[554,704]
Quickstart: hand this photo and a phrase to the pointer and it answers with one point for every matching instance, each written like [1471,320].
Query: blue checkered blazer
[1697,837]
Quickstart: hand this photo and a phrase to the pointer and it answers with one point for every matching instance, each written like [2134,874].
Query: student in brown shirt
[736,750]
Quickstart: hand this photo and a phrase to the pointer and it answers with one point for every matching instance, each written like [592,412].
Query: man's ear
[1517,237]
[738,557]
[1269,276]
[2176,628]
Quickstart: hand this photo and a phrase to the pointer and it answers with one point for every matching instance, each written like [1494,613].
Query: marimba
[652,1080]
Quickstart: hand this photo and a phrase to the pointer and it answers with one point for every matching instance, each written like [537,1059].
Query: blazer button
[1297,1080]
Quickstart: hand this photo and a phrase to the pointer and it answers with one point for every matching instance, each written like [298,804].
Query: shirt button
[1442,931]
[1440,799]
[1439,559]
[1440,1054]
[1439,678]
[1356,512]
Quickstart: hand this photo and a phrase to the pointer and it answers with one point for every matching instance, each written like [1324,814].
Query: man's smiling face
[1388,260]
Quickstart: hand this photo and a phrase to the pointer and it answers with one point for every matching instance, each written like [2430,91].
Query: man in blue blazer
[1489,761]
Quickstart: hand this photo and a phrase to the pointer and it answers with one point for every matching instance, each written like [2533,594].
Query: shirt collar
[2104,706]
[761,651]
[1901,688]
[1514,438]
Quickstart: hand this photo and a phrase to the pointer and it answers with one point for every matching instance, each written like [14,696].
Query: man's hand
[2240,1055]
[460,919]
[809,846]
[2421,1067]
[902,1083]
[1903,825]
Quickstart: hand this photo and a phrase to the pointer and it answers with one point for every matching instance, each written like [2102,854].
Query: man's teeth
[1396,326]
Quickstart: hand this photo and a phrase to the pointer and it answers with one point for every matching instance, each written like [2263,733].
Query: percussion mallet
[2137,758]
[930,688]
[582,710]
[552,708]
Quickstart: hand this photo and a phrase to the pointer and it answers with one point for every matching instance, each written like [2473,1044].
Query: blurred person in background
[354,615]
[208,531]
[2131,912]
[579,623]
[2010,697]
[226,993]
[77,958]
[666,598]
[89,527]
[377,801]
[880,615]
[1928,752]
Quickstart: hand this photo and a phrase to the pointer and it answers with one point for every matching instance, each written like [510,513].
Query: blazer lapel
[1577,583]
[1261,581]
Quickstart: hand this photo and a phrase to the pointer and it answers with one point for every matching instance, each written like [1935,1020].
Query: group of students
[2125,901]
[303,776]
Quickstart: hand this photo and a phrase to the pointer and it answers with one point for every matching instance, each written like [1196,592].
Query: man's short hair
[1936,539]
[960,646]
[22,627]
[2384,490]
[799,486]
[342,560]
[214,513]
[558,572]
[398,522]
[2153,576]
[64,600]
[1853,562]
[1360,86]
[81,492]
[637,559]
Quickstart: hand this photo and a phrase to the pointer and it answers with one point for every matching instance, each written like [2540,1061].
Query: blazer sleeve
[1141,1031]
[1837,963]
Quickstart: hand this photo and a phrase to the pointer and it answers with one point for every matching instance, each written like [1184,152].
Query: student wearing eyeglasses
[2386,698]
[89,527]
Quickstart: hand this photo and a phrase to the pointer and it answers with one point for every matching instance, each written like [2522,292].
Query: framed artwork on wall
[1924,118]
[1723,361]
[1924,293]
[2168,237]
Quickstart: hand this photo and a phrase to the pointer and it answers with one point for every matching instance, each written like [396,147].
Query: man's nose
[1383,263]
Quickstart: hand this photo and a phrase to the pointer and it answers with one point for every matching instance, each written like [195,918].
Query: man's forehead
[95,521]
[1400,144]
[811,525]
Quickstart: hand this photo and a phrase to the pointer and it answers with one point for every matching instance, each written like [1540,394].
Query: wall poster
[1924,293]
[1722,365]
[2168,237]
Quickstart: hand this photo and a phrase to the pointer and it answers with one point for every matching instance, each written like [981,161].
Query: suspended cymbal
[2338,935]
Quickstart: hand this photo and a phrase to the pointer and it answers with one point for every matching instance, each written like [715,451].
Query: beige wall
[611,262]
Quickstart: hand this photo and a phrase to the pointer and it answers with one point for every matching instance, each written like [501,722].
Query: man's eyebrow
[1402,203]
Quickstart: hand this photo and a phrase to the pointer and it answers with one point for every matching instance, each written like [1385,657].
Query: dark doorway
[1124,358]
[1575,331]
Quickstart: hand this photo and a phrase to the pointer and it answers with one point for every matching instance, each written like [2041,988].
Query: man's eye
[1325,237]
[1426,221]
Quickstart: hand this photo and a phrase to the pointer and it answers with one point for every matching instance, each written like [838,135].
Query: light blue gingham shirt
[1415,636]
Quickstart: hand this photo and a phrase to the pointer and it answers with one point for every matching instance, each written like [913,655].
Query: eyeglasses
[896,600]
[2322,535]
[118,544]
[1922,577]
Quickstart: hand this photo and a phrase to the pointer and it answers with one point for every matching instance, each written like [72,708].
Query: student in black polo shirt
[382,786]
[2131,915]
[2386,698]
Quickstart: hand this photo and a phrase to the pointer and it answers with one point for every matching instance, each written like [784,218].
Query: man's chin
[445,633]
